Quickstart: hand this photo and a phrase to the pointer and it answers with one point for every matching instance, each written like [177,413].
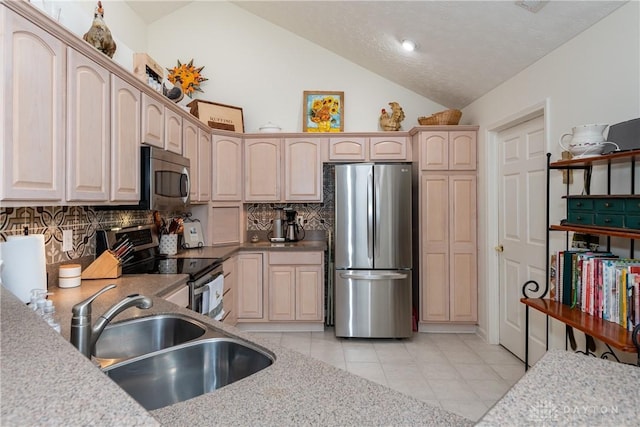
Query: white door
[521,223]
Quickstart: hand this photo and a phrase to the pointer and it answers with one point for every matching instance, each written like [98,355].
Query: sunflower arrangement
[188,76]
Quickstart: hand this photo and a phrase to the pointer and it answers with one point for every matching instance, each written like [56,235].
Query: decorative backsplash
[317,216]
[85,220]
[51,220]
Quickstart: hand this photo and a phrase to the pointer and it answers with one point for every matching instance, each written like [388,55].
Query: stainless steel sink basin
[186,371]
[144,335]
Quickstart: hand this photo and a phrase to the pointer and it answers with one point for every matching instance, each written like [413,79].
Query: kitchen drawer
[295,258]
[179,297]
[581,218]
[632,221]
[580,204]
[632,206]
[609,205]
[609,220]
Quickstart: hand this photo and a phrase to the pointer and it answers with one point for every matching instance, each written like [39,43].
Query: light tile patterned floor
[458,372]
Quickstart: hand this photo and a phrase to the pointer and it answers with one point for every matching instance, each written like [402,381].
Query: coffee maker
[294,231]
[278,230]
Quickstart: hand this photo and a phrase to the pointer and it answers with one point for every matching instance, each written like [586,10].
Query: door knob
[499,248]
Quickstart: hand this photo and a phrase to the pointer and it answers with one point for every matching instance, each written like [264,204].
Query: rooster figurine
[99,35]
[392,121]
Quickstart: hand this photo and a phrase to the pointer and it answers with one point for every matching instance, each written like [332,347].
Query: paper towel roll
[24,265]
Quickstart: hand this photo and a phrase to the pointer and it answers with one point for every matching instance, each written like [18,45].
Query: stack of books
[597,283]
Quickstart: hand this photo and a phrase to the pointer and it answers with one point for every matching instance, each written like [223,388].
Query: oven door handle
[201,290]
[204,288]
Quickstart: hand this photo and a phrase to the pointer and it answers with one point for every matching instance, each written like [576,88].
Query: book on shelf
[598,283]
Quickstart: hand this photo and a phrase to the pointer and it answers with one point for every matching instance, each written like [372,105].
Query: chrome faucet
[83,335]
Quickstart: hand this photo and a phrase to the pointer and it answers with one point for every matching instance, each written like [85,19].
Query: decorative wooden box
[144,66]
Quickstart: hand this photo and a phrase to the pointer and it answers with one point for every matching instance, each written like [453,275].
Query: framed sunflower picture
[323,111]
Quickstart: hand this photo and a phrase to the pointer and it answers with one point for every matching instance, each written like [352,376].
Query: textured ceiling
[465,48]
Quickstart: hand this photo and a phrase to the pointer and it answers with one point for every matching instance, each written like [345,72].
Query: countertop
[46,381]
[565,388]
[224,251]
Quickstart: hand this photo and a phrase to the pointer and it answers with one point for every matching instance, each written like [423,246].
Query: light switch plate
[67,240]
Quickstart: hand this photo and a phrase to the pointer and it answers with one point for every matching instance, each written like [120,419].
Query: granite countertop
[565,388]
[225,251]
[46,381]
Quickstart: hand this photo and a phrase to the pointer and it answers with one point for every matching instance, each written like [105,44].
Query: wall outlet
[67,240]
[300,219]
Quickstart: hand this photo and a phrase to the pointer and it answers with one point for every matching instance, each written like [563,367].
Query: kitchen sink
[131,338]
[180,373]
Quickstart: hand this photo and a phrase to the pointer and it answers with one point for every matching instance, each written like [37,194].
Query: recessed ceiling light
[408,45]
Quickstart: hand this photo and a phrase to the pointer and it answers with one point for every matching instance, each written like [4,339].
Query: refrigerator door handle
[382,276]
[370,224]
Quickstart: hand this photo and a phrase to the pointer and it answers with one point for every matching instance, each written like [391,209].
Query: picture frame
[323,111]
[218,116]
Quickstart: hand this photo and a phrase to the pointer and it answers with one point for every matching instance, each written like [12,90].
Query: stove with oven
[205,274]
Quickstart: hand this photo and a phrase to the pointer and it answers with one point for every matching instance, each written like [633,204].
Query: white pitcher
[585,139]
[584,134]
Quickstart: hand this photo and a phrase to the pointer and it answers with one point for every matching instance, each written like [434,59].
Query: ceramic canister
[69,275]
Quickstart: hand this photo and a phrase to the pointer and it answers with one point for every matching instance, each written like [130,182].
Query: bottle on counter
[36,295]
[50,317]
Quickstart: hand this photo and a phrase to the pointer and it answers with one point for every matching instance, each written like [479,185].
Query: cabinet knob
[499,248]
[579,204]
[607,205]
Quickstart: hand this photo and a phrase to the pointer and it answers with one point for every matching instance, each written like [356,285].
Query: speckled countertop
[569,389]
[46,381]
[227,250]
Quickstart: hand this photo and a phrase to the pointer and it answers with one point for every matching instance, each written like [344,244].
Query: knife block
[106,266]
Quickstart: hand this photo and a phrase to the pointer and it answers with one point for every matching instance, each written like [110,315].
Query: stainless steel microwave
[164,182]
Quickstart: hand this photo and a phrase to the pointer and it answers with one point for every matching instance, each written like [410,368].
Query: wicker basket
[448,117]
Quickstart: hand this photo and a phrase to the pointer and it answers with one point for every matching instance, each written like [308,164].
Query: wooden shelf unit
[603,330]
[609,333]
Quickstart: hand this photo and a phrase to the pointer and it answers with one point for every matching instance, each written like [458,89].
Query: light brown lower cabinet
[229,267]
[250,286]
[296,286]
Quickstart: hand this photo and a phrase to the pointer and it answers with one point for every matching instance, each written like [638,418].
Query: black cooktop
[194,267]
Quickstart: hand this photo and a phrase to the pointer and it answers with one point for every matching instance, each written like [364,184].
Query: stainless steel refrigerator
[373,250]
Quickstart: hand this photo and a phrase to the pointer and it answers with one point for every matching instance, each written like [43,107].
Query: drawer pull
[607,205]
[607,220]
[579,204]
[579,218]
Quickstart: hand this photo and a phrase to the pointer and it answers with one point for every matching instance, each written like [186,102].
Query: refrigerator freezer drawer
[373,304]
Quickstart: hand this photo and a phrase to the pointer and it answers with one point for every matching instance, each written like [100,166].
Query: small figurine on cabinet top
[392,121]
[99,35]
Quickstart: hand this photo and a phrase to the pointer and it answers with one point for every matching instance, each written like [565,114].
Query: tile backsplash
[317,216]
[85,220]
[52,220]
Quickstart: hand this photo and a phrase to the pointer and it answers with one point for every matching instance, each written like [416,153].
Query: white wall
[128,30]
[264,69]
[594,78]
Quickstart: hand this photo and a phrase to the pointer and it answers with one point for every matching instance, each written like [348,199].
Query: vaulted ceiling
[464,48]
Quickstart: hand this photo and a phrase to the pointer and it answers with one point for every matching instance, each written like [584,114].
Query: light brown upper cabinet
[369,148]
[152,121]
[125,141]
[88,129]
[33,98]
[227,169]
[262,170]
[303,169]
[172,131]
[448,150]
